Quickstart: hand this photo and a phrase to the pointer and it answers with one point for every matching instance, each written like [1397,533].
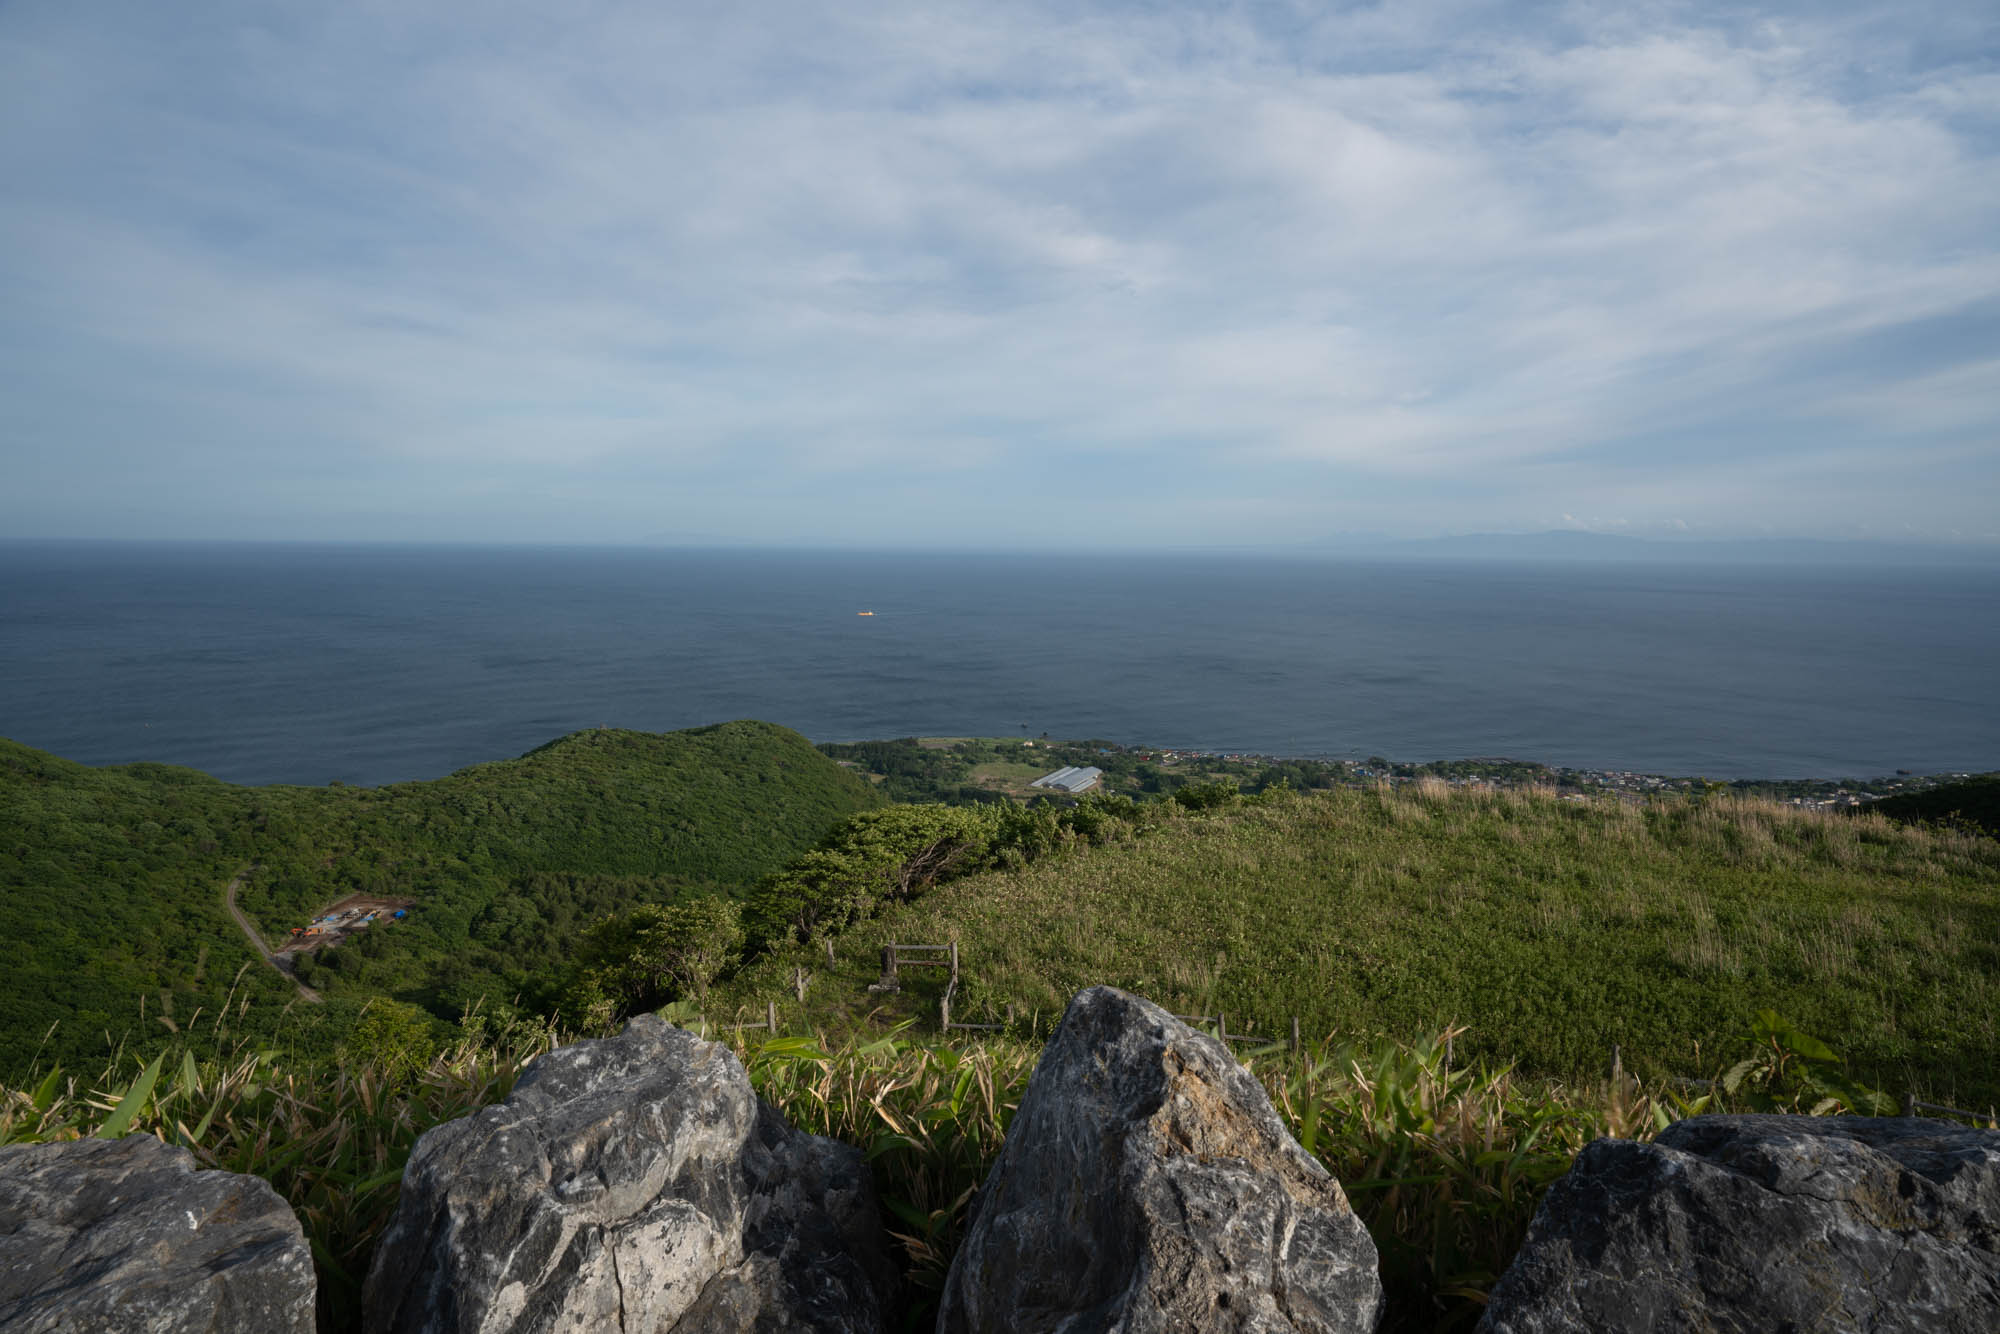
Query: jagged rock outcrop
[1761,1223]
[1148,1185]
[633,1183]
[119,1236]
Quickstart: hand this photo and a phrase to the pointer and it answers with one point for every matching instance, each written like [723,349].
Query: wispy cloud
[955,272]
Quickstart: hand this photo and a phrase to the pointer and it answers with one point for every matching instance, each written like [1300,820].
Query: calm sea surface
[294,664]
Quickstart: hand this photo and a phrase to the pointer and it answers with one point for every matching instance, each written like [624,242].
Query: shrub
[392,1037]
[1101,817]
[1206,796]
[872,859]
[655,954]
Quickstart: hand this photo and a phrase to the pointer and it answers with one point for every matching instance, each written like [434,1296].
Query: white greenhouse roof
[1075,778]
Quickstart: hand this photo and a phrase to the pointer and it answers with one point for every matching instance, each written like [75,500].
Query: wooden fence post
[1295,1033]
[771,1016]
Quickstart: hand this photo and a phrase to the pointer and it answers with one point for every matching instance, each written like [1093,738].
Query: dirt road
[283,965]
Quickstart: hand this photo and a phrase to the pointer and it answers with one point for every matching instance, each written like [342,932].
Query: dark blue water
[265,664]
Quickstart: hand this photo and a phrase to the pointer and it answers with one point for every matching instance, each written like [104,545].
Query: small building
[1073,780]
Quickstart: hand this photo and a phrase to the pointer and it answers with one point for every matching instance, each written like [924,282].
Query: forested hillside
[113,928]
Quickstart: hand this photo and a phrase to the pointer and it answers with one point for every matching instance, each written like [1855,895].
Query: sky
[1087,275]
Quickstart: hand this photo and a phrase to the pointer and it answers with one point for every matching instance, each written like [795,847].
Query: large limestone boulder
[635,1183]
[1147,1185]
[1759,1223]
[120,1236]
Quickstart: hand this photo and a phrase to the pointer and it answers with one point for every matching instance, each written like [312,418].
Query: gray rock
[638,1184]
[119,1236]
[1147,1185]
[1767,1223]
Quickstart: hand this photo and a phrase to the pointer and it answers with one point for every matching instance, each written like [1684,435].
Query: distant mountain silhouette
[1572,544]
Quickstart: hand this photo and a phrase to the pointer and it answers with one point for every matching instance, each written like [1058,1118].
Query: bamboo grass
[1445,1163]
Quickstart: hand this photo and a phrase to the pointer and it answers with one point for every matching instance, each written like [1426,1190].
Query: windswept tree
[871,859]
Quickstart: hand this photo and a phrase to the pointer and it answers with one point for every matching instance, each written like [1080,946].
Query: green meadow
[1552,930]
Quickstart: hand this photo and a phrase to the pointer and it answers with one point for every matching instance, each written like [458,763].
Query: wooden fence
[1912,1107]
[896,957]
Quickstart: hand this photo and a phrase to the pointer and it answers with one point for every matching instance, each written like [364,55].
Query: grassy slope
[1554,929]
[111,879]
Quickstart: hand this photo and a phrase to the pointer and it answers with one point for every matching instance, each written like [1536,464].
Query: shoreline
[1501,771]
[1124,763]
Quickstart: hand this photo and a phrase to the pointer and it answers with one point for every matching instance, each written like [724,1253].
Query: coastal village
[971,768]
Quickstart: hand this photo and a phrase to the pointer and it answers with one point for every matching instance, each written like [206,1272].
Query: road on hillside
[278,962]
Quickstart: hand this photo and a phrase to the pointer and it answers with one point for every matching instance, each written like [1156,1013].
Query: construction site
[351,916]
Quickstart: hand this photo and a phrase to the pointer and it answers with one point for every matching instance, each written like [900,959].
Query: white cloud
[977,244]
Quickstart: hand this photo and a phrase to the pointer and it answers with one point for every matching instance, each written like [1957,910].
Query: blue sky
[981,274]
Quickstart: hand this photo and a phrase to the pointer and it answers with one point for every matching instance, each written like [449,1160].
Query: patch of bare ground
[348,917]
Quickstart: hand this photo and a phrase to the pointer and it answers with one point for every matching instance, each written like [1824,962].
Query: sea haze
[302,664]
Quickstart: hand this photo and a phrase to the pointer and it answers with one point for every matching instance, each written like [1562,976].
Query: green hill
[1552,929]
[1973,801]
[113,928]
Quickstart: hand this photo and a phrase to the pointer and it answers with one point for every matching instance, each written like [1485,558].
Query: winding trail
[257,941]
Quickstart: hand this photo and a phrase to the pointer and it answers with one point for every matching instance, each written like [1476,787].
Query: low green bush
[649,957]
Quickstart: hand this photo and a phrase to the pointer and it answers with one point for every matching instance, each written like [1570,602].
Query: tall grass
[331,1140]
[1559,928]
[1444,1164]
[1444,1161]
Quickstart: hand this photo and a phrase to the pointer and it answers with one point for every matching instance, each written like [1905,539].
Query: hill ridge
[111,878]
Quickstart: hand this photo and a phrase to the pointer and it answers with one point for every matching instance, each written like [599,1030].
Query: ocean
[371,664]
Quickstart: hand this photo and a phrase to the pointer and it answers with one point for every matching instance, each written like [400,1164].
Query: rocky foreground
[1884,1224]
[125,1234]
[1147,1184]
[638,1184]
